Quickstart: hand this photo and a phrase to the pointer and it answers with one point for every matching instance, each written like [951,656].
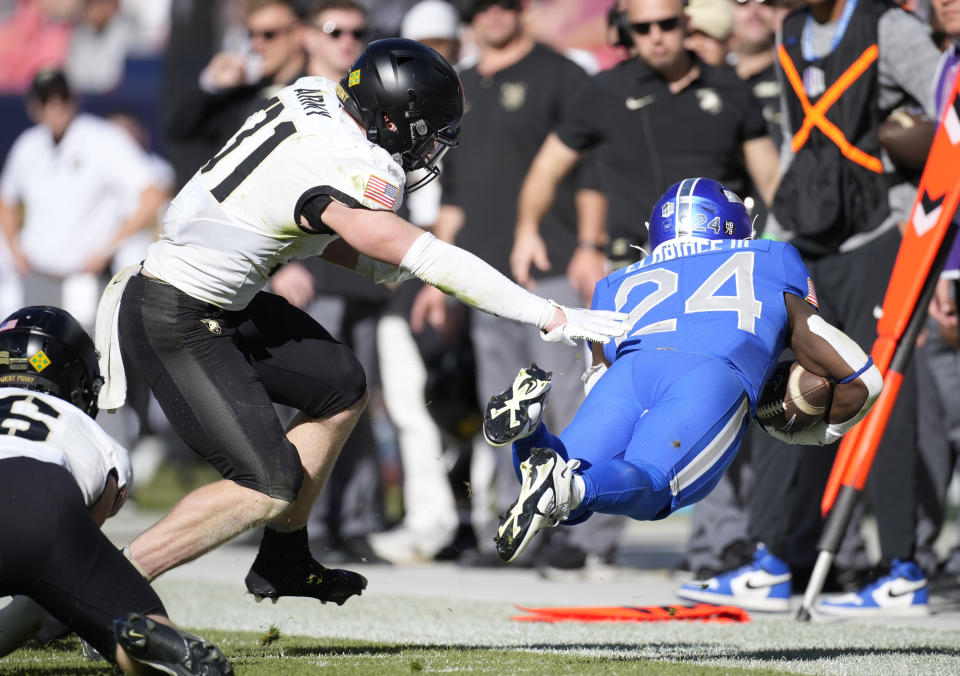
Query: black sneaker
[171,650]
[516,412]
[545,497]
[272,577]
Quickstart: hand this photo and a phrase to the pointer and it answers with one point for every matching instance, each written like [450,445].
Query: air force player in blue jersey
[710,310]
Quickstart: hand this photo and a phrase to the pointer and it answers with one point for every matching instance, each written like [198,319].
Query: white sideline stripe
[709,456]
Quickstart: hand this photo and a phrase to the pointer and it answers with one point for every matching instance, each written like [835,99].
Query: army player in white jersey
[61,477]
[319,170]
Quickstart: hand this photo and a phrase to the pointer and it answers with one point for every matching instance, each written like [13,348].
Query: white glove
[820,434]
[596,325]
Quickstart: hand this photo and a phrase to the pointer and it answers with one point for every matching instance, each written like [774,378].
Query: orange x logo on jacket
[815,115]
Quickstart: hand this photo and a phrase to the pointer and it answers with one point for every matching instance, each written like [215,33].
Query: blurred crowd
[577,118]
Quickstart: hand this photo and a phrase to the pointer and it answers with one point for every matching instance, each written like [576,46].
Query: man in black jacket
[200,119]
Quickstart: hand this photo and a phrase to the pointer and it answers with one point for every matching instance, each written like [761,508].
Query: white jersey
[75,193]
[235,222]
[49,429]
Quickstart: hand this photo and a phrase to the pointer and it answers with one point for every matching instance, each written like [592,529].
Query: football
[793,398]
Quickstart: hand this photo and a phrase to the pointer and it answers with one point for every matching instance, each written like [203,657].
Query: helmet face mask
[409,101]
[45,349]
[698,207]
[425,155]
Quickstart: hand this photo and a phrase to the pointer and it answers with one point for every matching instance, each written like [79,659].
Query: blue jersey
[722,298]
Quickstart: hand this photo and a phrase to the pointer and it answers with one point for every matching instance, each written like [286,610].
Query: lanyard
[841,28]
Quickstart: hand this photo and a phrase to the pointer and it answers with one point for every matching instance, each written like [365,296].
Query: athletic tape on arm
[859,362]
[474,282]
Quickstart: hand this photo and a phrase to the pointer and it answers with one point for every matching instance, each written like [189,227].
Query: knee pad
[345,384]
[355,380]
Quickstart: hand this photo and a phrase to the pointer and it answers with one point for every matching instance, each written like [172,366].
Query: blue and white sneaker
[763,585]
[901,593]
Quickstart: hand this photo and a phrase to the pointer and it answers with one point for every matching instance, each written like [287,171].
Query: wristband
[857,374]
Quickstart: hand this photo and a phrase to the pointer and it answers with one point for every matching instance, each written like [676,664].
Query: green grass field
[264,655]
[448,618]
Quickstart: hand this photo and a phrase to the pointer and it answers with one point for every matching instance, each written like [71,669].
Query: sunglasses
[331,29]
[268,35]
[665,25]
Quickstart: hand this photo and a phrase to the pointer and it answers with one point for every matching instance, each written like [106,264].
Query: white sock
[577,489]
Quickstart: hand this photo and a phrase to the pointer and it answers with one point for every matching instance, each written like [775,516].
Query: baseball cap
[431,19]
[48,83]
[711,17]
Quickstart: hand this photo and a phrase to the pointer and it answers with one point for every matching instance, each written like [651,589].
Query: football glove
[598,326]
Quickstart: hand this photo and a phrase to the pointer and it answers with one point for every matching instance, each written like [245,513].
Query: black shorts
[217,374]
[52,551]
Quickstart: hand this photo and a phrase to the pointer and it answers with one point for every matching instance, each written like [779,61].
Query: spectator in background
[134,247]
[754,55]
[386,15]
[840,202]
[204,114]
[336,34]
[515,93]
[710,23]
[653,120]
[98,46]
[430,518]
[74,159]
[436,24]
[35,36]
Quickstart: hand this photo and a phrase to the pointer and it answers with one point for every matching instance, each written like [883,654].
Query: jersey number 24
[744,302]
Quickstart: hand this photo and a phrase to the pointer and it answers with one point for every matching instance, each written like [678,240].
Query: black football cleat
[275,576]
[170,650]
[515,413]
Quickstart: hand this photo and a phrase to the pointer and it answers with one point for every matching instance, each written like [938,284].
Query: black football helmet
[421,94]
[44,348]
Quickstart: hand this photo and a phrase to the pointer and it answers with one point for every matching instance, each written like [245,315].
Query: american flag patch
[9,324]
[381,192]
[811,294]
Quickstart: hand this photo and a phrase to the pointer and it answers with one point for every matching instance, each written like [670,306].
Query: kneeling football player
[61,477]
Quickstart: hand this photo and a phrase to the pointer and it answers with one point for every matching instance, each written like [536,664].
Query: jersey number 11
[273,108]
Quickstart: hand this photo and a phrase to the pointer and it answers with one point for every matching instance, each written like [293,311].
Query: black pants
[52,551]
[789,480]
[217,374]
